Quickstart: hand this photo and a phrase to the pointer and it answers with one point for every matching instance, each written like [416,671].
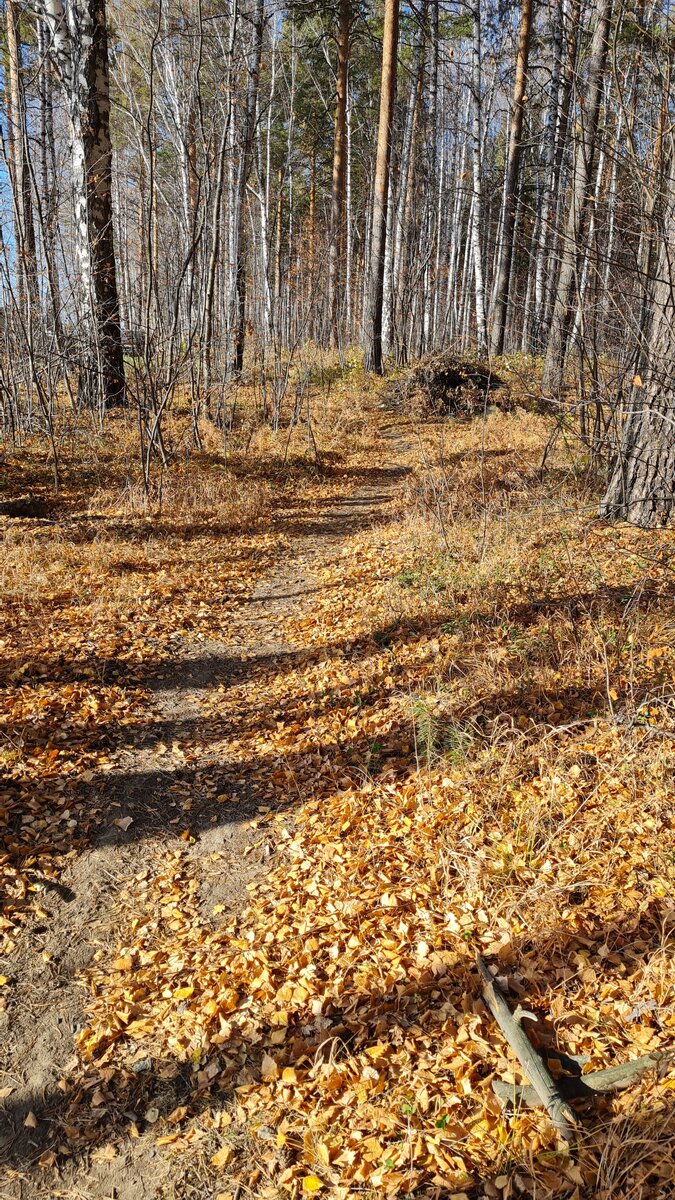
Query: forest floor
[279,759]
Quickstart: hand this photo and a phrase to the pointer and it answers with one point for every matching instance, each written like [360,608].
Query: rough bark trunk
[339,164]
[20,175]
[477,209]
[373,352]
[48,199]
[244,172]
[642,485]
[401,256]
[581,191]
[511,185]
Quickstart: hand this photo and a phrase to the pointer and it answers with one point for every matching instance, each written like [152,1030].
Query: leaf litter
[462,780]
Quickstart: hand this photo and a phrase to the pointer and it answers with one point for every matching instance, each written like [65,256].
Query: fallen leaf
[311,1183]
[222,1157]
[104,1153]
[268,1067]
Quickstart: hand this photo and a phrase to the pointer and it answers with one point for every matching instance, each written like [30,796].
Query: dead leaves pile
[341,1013]
[93,606]
[342,1007]
[461,780]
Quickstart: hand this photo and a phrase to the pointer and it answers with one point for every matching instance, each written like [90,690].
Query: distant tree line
[192,185]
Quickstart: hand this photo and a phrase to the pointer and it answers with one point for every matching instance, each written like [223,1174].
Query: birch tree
[79,45]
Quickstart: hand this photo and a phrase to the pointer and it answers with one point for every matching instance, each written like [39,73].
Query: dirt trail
[162,782]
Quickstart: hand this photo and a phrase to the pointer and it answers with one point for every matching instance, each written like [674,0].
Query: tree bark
[511,185]
[401,255]
[546,194]
[339,164]
[581,191]
[244,172]
[373,351]
[48,200]
[642,485]
[80,48]
[477,208]
[20,174]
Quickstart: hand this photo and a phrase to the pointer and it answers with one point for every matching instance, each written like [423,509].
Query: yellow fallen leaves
[356,1029]
[268,1067]
[311,1183]
[340,1013]
[222,1157]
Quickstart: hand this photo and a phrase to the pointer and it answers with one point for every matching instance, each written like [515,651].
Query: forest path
[176,778]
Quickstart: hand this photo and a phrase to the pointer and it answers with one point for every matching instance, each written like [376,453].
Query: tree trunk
[433,210]
[21,175]
[477,208]
[511,185]
[339,163]
[581,190]
[48,199]
[571,18]
[546,193]
[373,352]
[279,223]
[244,172]
[642,486]
[401,256]
[80,47]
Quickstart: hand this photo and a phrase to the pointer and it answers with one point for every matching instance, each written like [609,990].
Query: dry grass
[555,683]
[528,655]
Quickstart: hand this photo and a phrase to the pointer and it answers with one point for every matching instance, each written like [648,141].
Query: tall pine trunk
[477,207]
[20,175]
[581,192]
[378,235]
[339,164]
[511,184]
[244,172]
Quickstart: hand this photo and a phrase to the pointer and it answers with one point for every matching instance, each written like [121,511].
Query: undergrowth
[474,733]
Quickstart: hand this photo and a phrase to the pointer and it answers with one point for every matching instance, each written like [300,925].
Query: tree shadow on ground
[99,1104]
[272,773]
[292,515]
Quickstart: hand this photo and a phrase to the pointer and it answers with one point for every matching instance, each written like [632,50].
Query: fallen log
[573,1087]
[537,1072]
